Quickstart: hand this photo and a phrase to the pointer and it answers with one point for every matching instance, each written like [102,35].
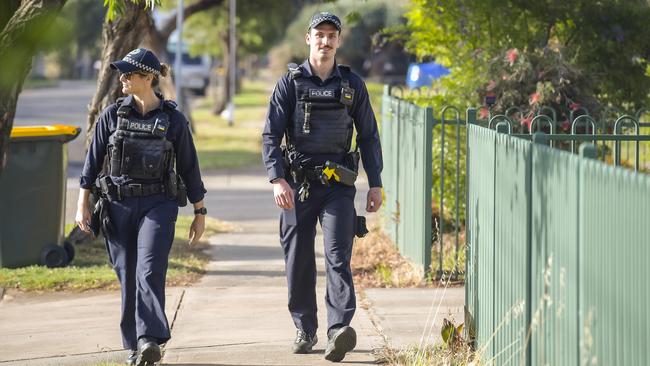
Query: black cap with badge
[324,17]
[140,59]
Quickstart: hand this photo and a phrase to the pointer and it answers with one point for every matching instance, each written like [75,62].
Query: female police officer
[142,137]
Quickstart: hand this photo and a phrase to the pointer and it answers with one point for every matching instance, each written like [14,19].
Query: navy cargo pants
[334,207]
[138,249]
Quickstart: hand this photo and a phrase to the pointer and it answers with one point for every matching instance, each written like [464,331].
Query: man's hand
[283,194]
[196,229]
[374,199]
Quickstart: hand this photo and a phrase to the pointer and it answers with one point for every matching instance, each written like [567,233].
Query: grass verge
[90,268]
[439,354]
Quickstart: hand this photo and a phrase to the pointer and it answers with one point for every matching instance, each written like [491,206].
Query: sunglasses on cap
[129,74]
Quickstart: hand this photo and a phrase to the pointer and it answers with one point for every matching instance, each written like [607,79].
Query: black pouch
[181,195]
[360,229]
[171,185]
[352,160]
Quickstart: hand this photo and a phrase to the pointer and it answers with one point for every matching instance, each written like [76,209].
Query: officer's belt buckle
[136,189]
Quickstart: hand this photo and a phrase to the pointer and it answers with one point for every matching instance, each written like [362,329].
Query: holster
[109,189]
[292,166]
[345,176]
[100,219]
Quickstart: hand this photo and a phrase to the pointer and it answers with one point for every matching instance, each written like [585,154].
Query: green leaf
[447,331]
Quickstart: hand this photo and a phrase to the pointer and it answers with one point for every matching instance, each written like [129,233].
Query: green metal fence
[557,250]
[406,144]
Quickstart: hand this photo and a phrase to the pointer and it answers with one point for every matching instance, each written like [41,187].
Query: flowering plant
[524,84]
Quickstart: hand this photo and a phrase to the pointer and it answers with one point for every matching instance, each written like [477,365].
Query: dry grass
[376,262]
[431,355]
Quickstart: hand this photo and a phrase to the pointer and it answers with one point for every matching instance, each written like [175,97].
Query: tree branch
[170,24]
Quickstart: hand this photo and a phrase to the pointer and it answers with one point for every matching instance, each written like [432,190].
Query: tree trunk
[119,37]
[18,44]
[223,86]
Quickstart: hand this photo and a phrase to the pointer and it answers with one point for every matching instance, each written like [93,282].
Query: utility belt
[329,173]
[304,173]
[301,169]
[173,187]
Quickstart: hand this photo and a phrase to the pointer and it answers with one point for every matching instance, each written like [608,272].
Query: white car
[195,71]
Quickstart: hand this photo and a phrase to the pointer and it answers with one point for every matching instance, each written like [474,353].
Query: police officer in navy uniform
[315,107]
[151,167]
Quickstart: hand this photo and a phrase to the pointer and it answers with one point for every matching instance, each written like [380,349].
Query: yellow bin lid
[43,131]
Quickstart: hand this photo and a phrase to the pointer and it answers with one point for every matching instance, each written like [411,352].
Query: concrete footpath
[236,315]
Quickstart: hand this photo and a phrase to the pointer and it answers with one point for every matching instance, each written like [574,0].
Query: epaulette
[294,70]
[345,68]
[170,104]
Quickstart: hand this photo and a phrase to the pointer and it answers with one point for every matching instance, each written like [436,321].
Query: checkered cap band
[325,17]
[142,66]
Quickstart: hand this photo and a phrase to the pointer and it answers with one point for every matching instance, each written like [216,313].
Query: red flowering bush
[533,82]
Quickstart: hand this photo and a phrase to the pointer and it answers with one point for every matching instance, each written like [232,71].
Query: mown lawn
[221,146]
[90,268]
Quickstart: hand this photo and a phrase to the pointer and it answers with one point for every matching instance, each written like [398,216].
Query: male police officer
[317,105]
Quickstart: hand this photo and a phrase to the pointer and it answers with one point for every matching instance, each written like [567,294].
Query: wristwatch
[201,211]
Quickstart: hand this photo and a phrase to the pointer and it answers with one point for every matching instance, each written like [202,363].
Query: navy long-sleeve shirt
[187,164]
[281,109]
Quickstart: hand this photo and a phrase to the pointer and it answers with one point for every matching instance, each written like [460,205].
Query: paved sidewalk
[236,315]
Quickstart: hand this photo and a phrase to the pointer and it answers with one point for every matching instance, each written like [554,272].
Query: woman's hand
[82,218]
[196,229]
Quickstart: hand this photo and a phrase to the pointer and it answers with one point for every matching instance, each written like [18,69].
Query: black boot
[304,342]
[149,351]
[340,341]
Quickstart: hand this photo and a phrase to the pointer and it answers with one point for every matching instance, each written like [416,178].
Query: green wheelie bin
[32,197]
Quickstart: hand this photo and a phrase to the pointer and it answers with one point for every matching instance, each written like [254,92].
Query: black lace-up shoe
[340,341]
[132,359]
[149,351]
[304,342]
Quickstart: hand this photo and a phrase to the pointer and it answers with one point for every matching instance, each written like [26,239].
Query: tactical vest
[138,150]
[321,123]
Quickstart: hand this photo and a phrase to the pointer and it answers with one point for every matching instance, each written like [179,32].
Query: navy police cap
[325,17]
[140,59]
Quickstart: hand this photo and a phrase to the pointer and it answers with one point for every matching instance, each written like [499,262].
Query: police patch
[140,126]
[321,93]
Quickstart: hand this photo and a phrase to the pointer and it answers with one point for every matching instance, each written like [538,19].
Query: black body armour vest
[321,123]
[138,150]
